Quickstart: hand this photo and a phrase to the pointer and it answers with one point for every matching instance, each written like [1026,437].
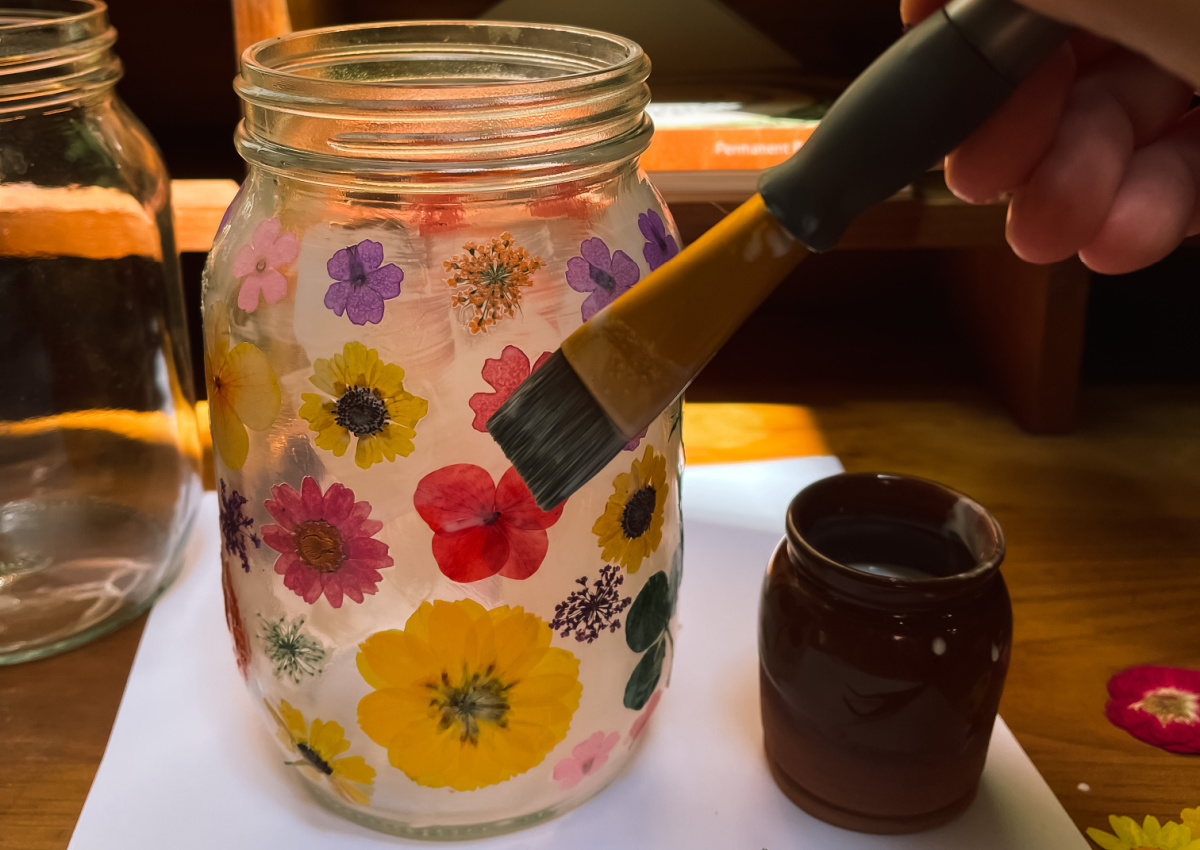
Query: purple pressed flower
[235,525]
[660,246]
[362,282]
[591,610]
[604,276]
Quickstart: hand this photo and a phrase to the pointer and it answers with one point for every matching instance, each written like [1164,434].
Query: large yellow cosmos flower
[631,526]
[368,402]
[466,696]
[243,391]
[317,746]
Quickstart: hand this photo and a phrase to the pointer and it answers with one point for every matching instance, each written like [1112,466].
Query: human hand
[1098,151]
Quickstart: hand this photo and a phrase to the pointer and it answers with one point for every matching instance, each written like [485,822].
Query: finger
[1155,206]
[1000,155]
[1122,103]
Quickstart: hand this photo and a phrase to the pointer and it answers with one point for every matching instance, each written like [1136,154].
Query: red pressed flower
[481,529]
[233,619]
[1158,705]
[505,375]
[325,542]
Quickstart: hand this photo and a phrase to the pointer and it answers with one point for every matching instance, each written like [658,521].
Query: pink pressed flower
[1158,705]
[257,264]
[481,529]
[325,542]
[585,759]
[505,375]
[644,717]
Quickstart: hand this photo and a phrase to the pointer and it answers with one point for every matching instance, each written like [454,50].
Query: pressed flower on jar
[464,696]
[504,374]
[606,276]
[293,653]
[243,391]
[318,746]
[325,542]
[365,401]
[482,529]
[488,280]
[630,528]
[233,620]
[587,758]
[361,282]
[235,525]
[258,264]
[660,246]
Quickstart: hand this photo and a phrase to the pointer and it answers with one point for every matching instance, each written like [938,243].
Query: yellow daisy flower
[1150,835]
[1191,819]
[317,746]
[368,402]
[466,696]
[243,391]
[631,526]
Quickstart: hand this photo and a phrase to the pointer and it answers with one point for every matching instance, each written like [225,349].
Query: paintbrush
[625,365]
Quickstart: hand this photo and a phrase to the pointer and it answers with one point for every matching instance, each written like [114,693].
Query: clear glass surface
[98,445]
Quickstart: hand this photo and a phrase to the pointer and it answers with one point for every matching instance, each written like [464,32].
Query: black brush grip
[912,106]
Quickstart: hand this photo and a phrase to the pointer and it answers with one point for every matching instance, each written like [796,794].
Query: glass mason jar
[99,456]
[430,209]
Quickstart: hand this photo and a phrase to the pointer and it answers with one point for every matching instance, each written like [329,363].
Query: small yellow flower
[317,746]
[631,526]
[1191,819]
[466,696]
[1149,836]
[368,402]
[243,391]
[489,279]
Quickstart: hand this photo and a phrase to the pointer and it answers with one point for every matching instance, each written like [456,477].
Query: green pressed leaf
[676,575]
[650,613]
[645,676]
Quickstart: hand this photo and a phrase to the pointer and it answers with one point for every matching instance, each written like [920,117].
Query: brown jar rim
[905,497]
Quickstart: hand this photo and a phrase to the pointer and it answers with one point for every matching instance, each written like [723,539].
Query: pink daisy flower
[585,759]
[257,264]
[325,542]
[1158,705]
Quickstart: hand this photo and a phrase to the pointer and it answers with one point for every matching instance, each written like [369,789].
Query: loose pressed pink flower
[585,759]
[257,264]
[505,374]
[325,542]
[640,724]
[1158,705]
[482,529]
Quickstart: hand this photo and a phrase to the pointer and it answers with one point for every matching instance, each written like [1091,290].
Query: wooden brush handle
[255,20]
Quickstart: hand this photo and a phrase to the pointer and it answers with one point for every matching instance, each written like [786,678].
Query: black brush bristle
[555,434]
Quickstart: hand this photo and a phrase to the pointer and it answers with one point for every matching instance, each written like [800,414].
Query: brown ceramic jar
[884,638]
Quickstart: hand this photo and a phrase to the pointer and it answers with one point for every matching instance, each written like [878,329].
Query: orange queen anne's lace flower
[489,279]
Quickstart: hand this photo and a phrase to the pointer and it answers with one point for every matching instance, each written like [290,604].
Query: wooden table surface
[1103,565]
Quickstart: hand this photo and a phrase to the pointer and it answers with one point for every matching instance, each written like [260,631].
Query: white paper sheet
[190,765]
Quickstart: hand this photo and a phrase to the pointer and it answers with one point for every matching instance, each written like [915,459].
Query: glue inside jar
[430,209]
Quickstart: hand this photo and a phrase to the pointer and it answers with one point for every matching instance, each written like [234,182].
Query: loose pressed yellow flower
[489,279]
[243,391]
[368,402]
[466,696]
[631,525]
[1149,836]
[317,746]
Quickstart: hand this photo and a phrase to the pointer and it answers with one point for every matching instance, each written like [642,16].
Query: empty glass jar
[99,455]
[431,208]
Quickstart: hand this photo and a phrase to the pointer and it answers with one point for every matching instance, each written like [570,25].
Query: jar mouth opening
[435,60]
[54,51]
[878,531]
[454,97]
